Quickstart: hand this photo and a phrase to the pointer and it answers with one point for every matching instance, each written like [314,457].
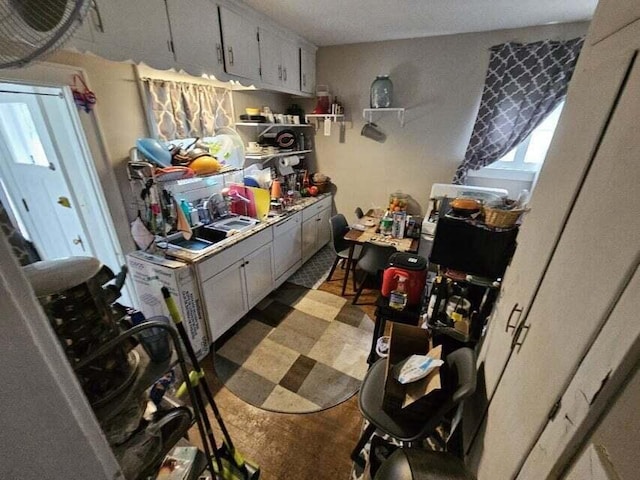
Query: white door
[270,58]
[225,298]
[309,237]
[197,54]
[134,30]
[307,70]
[258,273]
[324,228]
[290,64]
[594,259]
[286,244]
[240,40]
[34,177]
[584,119]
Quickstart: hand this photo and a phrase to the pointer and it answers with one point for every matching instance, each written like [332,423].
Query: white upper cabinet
[270,57]
[138,31]
[307,70]
[240,42]
[279,60]
[195,30]
[290,54]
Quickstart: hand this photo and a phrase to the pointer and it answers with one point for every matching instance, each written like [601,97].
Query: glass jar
[398,202]
[381,92]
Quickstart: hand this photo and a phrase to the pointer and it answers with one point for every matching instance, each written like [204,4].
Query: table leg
[348,268]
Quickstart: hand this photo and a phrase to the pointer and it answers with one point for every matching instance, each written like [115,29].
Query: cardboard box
[407,340]
[150,273]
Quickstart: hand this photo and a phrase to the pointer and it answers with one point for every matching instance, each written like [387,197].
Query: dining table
[371,234]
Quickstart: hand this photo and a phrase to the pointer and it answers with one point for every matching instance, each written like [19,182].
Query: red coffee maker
[413,268]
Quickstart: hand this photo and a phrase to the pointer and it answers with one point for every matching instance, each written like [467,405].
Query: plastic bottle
[398,297]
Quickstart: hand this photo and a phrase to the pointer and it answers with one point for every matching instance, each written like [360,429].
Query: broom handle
[175,315]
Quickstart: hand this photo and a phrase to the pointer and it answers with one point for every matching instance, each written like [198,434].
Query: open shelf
[367,113]
[266,156]
[270,126]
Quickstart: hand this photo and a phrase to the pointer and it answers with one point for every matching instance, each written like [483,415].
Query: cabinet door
[258,273]
[225,298]
[240,41]
[309,237]
[137,31]
[307,70]
[197,54]
[290,65]
[270,58]
[324,228]
[593,261]
[592,96]
[287,240]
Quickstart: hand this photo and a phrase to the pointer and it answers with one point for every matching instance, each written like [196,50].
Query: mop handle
[175,316]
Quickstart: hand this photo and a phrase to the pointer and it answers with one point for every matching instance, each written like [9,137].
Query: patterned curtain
[524,84]
[183,110]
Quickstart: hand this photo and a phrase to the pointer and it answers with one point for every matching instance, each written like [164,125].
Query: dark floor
[313,446]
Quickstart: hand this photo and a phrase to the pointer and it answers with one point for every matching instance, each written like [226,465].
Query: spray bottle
[398,297]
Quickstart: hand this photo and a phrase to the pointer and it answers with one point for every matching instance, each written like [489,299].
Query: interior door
[594,260]
[592,97]
[34,179]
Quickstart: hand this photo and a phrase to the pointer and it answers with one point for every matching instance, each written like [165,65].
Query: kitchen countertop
[190,256]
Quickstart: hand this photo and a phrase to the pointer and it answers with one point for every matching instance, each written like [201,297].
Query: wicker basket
[498,218]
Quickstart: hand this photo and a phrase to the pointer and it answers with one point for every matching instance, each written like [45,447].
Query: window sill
[503,174]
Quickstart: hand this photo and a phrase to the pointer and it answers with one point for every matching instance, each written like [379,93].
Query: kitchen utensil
[243,202]
[276,190]
[256,118]
[324,100]
[262,199]
[371,130]
[250,182]
[154,151]
[174,173]
[252,111]
[227,147]
[217,206]
[205,165]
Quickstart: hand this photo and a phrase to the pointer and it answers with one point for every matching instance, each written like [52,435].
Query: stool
[409,316]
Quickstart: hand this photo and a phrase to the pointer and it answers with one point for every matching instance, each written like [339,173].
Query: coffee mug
[253,146]
[371,130]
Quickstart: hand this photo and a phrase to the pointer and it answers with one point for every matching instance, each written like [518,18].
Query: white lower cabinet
[225,298]
[287,240]
[258,273]
[316,231]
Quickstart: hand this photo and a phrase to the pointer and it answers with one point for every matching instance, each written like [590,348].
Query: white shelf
[270,126]
[265,156]
[325,116]
[367,113]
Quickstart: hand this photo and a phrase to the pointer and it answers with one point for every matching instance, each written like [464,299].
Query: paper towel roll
[285,164]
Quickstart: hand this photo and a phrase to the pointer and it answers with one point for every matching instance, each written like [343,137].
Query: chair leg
[355,283]
[360,288]
[364,438]
[333,268]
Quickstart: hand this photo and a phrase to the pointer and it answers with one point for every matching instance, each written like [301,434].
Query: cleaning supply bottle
[184,205]
[398,297]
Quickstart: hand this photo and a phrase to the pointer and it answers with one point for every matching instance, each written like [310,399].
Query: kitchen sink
[209,234]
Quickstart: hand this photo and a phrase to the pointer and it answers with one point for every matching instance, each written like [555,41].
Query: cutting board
[240,207]
[262,200]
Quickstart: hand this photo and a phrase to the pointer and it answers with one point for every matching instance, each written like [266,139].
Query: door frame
[93,173]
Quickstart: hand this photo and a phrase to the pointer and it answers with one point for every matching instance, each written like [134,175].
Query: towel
[183,224]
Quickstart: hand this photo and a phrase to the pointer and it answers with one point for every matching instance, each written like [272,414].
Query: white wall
[439,80]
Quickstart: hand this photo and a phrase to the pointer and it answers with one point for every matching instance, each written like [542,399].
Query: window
[27,149]
[529,155]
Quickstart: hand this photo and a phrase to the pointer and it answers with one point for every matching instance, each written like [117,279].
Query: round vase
[381,92]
